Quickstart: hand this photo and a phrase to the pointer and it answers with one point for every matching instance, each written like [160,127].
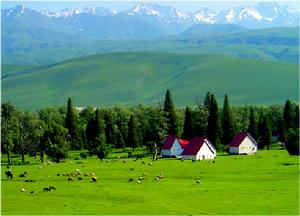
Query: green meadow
[263,184]
[142,77]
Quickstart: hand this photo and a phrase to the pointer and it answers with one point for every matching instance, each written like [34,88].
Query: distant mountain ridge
[39,37]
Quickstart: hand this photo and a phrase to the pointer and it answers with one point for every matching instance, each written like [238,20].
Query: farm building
[199,148]
[173,146]
[243,143]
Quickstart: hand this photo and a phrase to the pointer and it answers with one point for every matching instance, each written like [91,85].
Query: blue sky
[122,5]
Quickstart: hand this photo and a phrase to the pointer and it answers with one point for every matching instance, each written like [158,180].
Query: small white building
[243,143]
[199,148]
[173,147]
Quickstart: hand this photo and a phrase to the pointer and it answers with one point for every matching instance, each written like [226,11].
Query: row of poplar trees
[54,131]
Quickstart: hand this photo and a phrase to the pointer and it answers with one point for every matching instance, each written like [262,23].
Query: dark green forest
[54,131]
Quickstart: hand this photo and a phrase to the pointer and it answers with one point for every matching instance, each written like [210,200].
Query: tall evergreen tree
[133,133]
[70,122]
[187,126]
[213,126]
[95,133]
[253,123]
[289,115]
[207,100]
[170,113]
[228,123]
[265,133]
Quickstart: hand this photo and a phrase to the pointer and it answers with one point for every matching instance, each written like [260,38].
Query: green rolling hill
[142,78]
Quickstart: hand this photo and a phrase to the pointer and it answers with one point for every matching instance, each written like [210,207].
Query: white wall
[247,147]
[233,150]
[176,150]
[205,153]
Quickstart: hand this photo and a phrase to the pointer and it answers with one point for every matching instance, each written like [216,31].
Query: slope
[143,77]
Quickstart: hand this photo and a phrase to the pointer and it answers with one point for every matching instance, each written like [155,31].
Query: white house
[199,148]
[173,146]
[243,143]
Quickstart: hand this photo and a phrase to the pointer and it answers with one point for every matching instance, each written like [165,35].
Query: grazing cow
[150,164]
[47,189]
[80,178]
[9,174]
[58,174]
[85,174]
[131,169]
[23,190]
[92,174]
[27,180]
[141,178]
[52,188]
[31,192]
[130,180]
[124,161]
[30,180]
[214,161]
[198,181]
[70,179]
[156,178]
[94,179]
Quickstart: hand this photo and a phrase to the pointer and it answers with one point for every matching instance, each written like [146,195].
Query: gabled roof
[169,142]
[183,143]
[194,146]
[238,139]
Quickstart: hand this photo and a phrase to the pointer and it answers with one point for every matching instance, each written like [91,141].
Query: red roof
[238,139]
[169,142]
[194,146]
[183,143]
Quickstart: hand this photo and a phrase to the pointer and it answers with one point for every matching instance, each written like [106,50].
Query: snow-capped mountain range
[264,14]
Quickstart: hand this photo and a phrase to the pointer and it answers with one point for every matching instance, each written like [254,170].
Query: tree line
[53,131]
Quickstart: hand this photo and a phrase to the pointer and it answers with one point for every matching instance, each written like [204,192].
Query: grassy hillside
[265,44]
[262,184]
[143,77]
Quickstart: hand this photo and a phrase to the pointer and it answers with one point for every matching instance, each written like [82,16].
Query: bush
[83,155]
[292,143]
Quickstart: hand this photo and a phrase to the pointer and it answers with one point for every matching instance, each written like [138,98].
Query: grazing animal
[52,188]
[23,190]
[214,161]
[150,164]
[94,179]
[70,179]
[31,192]
[92,174]
[27,180]
[143,162]
[198,181]
[124,161]
[141,178]
[79,178]
[138,182]
[58,174]
[156,178]
[30,180]
[131,169]
[85,174]
[107,161]
[130,180]
[9,174]
[22,175]
[47,189]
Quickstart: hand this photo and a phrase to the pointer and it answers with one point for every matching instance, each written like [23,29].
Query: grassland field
[263,184]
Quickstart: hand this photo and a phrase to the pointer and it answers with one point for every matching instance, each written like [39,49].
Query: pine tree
[207,100]
[228,124]
[133,133]
[289,115]
[266,134]
[70,122]
[170,113]
[253,124]
[187,126]
[213,126]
